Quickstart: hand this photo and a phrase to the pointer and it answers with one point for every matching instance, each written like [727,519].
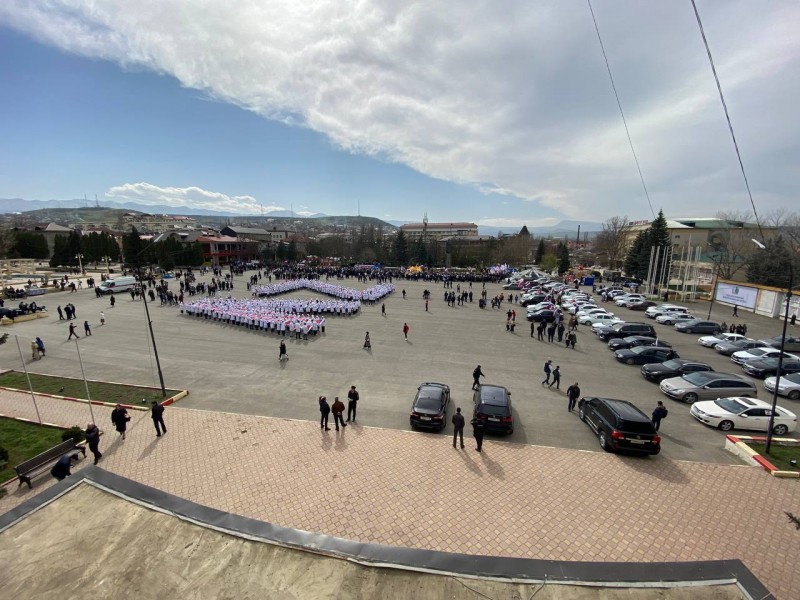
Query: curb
[167,402]
[738,444]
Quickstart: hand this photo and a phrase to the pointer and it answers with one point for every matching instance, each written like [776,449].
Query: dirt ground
[92,544]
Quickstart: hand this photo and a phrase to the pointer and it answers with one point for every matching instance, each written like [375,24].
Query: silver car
[705,385]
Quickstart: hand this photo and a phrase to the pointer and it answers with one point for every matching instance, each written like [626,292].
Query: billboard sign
[739,295]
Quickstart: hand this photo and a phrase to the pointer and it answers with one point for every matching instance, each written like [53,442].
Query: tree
[563,260]
[134,249]
[612,241]
[636,262]
[6,241]
[400,250]
[540,250]
[772,265]
[29,245]
[731,245]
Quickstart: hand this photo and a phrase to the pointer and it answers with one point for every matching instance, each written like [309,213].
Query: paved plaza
[246,439]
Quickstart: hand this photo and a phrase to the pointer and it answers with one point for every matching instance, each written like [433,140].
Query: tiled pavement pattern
[411,489]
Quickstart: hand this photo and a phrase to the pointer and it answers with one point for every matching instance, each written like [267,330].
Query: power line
[619,104]
[727,118]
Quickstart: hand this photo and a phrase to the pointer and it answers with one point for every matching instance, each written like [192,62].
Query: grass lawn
[24,441]
[779,455]
[75,388]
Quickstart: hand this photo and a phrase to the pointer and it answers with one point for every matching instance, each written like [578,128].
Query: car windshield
[671,364]
[720,336]
[730,404]
[700,378]
[760,351]
[794,378]
[428,403]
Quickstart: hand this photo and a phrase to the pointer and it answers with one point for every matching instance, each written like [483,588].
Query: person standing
[157,414]
[458,427]
[338,408]
[60,313]
[282,352]
[72,332]
[476,375]
[556,378]
[120,418]
[477,432]
[324,411]
[735,312]
[40,347]
[659,412]
[87,330]
[367,343]
[352,404]
[113,300]
[573,393]
[547,371]
[102,318]
[93,440]
[383,309]
[406,329]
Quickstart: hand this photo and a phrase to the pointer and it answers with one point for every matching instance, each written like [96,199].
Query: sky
[500,114]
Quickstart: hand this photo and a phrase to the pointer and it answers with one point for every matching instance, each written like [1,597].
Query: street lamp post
[768,445]
[107,260]
[80,263]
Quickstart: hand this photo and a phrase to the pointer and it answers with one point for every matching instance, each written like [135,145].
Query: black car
[493,407]
[621,330]
[642,306]
[764,367]
[636,340]
[544,314]
[698,326]
[642,355]
[728,348]
[535,299]
[429,410]
[672,368]
[619,425]
[792,343]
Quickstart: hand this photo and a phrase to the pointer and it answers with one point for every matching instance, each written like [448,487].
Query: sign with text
[739,295]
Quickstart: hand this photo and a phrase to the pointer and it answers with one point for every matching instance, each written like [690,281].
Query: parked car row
[491,405]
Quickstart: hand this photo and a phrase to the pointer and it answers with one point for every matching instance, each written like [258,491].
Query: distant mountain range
[14,205]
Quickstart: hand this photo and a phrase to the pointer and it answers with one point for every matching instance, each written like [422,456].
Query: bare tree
[612,242]
[731,246]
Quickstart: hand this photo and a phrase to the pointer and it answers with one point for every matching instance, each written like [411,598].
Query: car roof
[494,395]
[625,409]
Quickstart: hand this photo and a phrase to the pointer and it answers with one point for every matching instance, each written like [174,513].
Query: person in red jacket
[406,329]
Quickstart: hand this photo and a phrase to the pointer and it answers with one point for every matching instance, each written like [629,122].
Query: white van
[117,285]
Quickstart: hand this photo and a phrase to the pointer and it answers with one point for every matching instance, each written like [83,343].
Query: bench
[36,465]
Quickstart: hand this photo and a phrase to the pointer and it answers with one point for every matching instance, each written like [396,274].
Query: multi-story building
[437,231]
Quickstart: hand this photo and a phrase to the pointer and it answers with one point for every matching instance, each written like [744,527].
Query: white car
[594,310]
[575,308]
[789,386]
[625,299]
[672,318]
[742,356]
[743,413]
[602,319]
[655,311]
[709,341]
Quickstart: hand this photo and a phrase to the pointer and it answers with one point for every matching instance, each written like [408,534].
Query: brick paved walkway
[411,489]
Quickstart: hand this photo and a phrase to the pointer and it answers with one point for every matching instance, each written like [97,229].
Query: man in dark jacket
[352,404]
[63,467]
[338,408]
[93,439]
[157,414]
[573,393]
[660,412]
[476,377]
[477,431]
[458,427]
[324,411]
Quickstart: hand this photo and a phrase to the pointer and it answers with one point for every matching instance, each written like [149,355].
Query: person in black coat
[477,432]
[93,439]
[120,418]
[63,467]
[324,411]
[157,414]
[458,427]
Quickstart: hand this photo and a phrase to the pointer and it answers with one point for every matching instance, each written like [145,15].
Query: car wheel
[780,429]
[716,331]
[726,425]
[689,331]
[690,398]
[794,395]
[581,414]
[629,361]
[603,441]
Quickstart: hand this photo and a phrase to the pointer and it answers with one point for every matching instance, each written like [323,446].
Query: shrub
[3,455]
[74,432]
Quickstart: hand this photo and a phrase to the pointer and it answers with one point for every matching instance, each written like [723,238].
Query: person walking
[40,347]
[659,412]
[120,418]
[282,352]
[87,330]
[367,343]
[72,332]
[157,414]
[458,427]
[102,318]
[547,371]
[556,378]
[338,408]
[476,375]
[383,309]
[573,393]
[113,300]
[406,329]
[572,338]
[352,404]
[60,313]
[477,432]
[93,440]
[324,411]
[735,310]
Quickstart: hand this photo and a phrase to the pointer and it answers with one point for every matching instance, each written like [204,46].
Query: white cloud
[514,99]
[195,197]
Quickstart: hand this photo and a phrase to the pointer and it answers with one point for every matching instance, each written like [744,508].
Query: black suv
[429,410]
[619,425]
[493,407]
[621,330]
